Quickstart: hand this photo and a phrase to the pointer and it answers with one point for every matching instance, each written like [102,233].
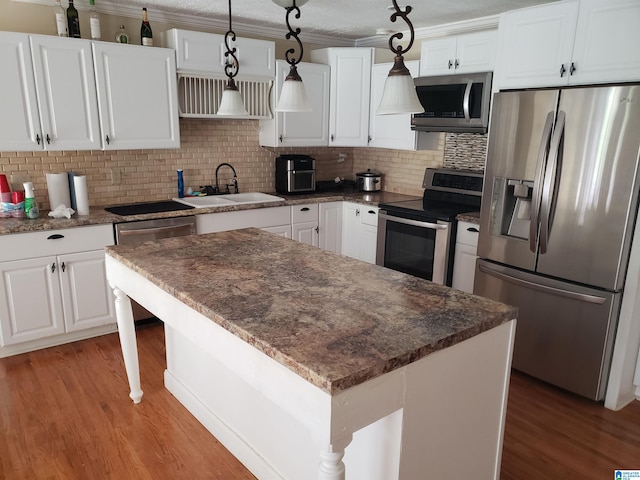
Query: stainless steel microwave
[453,103]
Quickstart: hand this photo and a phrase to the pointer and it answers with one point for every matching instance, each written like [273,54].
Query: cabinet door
[197,51]
[350,229]
[305,233]
[305,129]
[437,57]
[464,267]
[255,57]
[31,306]
[19,117]
[137,96]
[607,41]
[330,226]
[65,83]
[87,298]
[390,131]
[476,52]
[350,96]
[535,45]
[368,243]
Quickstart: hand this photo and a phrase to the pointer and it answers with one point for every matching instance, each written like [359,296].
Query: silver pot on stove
[369,181]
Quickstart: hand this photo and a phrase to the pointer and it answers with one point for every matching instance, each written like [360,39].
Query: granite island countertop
[98,215]
[334,321]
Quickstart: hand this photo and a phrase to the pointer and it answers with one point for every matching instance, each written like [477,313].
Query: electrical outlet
[116,175]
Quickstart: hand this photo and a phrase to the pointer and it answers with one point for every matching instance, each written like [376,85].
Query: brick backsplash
[147,175]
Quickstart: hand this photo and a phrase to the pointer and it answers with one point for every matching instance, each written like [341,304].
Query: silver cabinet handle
[145,231]
[414,223]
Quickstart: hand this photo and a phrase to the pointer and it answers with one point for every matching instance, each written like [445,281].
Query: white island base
[439,416]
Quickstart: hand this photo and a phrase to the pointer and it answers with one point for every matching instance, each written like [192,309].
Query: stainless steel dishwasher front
[129,233]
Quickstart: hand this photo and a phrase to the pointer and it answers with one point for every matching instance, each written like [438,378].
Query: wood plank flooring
[65,414]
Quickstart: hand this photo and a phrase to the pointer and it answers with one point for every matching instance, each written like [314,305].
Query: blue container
[180,184]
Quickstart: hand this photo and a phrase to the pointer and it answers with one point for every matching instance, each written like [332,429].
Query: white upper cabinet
[569,43]
[466,53]
[607,44]
[204,53]
[300,129]
[136,96]
[48,94]
[19,117]
[349,95]
[390,131]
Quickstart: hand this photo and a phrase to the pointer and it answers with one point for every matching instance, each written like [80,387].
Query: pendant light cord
[230,67]
[295,34]
[398,50]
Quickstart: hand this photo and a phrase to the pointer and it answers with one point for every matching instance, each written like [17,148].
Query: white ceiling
[343,19]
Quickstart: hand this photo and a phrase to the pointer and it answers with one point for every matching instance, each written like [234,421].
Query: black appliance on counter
[418,236]
[295,174]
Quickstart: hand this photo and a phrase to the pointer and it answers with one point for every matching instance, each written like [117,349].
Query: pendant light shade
[231,103]
[399,94]
[293,97]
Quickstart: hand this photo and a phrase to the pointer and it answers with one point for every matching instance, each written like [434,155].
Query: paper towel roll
[58,187]
[82,195]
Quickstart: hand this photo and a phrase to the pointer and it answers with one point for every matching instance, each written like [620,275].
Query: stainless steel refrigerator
[558,209]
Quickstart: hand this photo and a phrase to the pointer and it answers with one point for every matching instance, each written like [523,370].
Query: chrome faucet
[234,180]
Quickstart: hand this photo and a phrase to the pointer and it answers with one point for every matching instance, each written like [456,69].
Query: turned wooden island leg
[331,465]
[127,332]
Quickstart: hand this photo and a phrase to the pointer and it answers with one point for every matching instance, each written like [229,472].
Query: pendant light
[293,97]
[231,103]
[399,94]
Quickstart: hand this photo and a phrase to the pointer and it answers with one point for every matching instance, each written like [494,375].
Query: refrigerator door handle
[543,153]
[581,297]
[465,100]
[550,181]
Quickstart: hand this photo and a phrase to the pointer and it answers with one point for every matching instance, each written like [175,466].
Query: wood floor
[65,414]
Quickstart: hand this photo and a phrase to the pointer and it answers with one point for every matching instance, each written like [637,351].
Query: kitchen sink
[229,199]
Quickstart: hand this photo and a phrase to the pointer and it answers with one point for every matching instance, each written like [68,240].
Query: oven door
[417,247]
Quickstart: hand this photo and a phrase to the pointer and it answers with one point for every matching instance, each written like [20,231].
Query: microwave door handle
[414,223]
[550,182]
[465,101]
[543,154]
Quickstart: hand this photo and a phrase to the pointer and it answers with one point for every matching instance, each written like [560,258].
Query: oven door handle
[415,223]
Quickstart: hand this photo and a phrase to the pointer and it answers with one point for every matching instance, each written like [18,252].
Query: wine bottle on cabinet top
[61,20]
[94,21]
[121,36]
[73,22]
[146,36]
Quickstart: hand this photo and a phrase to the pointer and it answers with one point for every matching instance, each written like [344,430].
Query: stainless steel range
[418,236]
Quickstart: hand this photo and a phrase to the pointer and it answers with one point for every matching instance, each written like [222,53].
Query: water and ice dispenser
[512,210]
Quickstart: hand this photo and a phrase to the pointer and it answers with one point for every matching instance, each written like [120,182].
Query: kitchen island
[294,357]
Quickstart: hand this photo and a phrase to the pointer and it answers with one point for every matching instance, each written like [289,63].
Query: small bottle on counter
[30,205]
[180,184]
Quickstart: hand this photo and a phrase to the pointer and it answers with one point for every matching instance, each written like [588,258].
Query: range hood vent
[199,96]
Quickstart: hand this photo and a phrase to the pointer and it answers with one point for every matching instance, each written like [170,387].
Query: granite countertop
[471,217]
[335,321]
[98,215]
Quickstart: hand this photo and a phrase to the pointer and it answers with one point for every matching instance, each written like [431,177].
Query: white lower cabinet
[359,231]
[464,262]
[330,224]
[272,219]
[304,223]
[59,296]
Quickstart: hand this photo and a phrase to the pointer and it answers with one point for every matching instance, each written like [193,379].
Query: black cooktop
[148,207]
[447,193]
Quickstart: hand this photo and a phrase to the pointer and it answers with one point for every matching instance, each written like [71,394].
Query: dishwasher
[130,233]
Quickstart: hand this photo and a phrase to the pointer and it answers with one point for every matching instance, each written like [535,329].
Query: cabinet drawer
[369,215]
[20,246]
[467,234]
[304,213]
